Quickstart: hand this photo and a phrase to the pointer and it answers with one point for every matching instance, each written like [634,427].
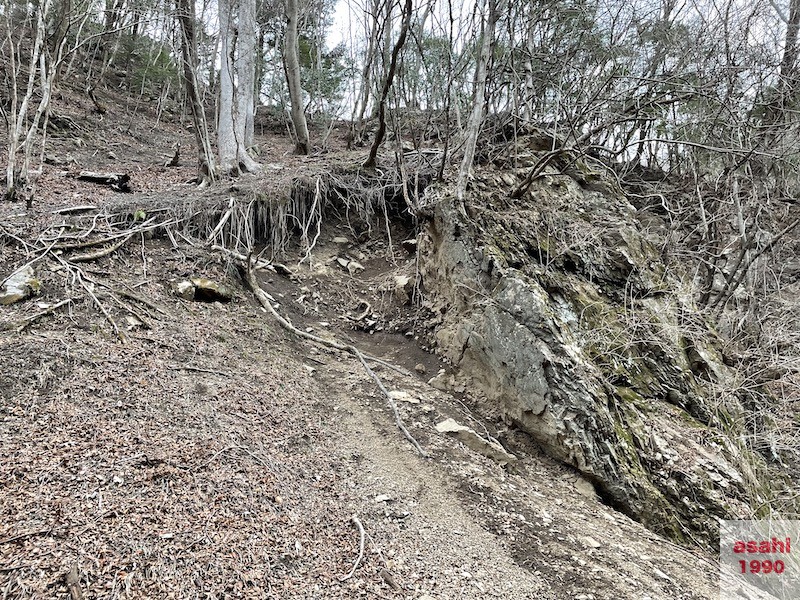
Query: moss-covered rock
[561,313]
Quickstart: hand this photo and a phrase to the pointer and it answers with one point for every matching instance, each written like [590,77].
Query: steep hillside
[165,436]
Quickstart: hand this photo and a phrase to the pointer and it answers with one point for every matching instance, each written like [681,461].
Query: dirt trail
[214,455]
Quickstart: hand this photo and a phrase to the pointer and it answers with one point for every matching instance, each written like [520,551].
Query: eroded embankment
[558,309]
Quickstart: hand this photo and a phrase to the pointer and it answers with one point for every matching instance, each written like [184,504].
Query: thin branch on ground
[199,370]
[358,524]
[136,297]
[81,277]
[23,324]
[90,256]
[22,536]
[145,226]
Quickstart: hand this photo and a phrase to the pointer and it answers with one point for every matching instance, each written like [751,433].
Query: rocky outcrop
[558,310]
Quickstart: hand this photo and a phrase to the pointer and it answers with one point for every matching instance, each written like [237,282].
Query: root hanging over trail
[292,204]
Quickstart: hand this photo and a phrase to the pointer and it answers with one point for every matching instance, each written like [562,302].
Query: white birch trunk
[236,85]
[20,133]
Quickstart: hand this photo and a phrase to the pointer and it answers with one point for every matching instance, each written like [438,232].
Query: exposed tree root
[264,300]
[90,256]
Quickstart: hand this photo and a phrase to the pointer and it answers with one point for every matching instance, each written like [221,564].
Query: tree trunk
[387,85]
[236,86]
[360,108]
[788,76]
[291,61]
[205,154]
[476,117]
[246,69]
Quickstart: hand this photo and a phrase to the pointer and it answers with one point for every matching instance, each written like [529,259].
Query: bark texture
[237,85]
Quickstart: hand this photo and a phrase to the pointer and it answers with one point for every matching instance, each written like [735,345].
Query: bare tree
[291,60]
[206,163]
[387,84]
[476,116]
[20,131]
[373,33]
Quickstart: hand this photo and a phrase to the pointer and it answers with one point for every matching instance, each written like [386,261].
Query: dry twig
[89,256]
[82,278]
[358,524]
[22,536]
[22,324]
[145,226]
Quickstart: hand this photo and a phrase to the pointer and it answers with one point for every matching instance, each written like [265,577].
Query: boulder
[489,448]
[202,289]
[20,285]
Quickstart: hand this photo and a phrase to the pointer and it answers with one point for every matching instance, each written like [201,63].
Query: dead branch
[199,370]
[89,256]
[130,309]
[145,226]
[22,324]
[261,296]
[81,276]
[22,536]
[216,455]
[358,524]
[136,297]
[74,209]
[6,232]
[103,310]
[119,182]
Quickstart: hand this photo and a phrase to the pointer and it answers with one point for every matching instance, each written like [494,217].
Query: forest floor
[212,454]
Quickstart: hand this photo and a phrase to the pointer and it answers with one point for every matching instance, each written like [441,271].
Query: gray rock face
[560,312]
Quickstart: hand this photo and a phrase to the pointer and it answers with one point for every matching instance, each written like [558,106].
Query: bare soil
[215,455]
